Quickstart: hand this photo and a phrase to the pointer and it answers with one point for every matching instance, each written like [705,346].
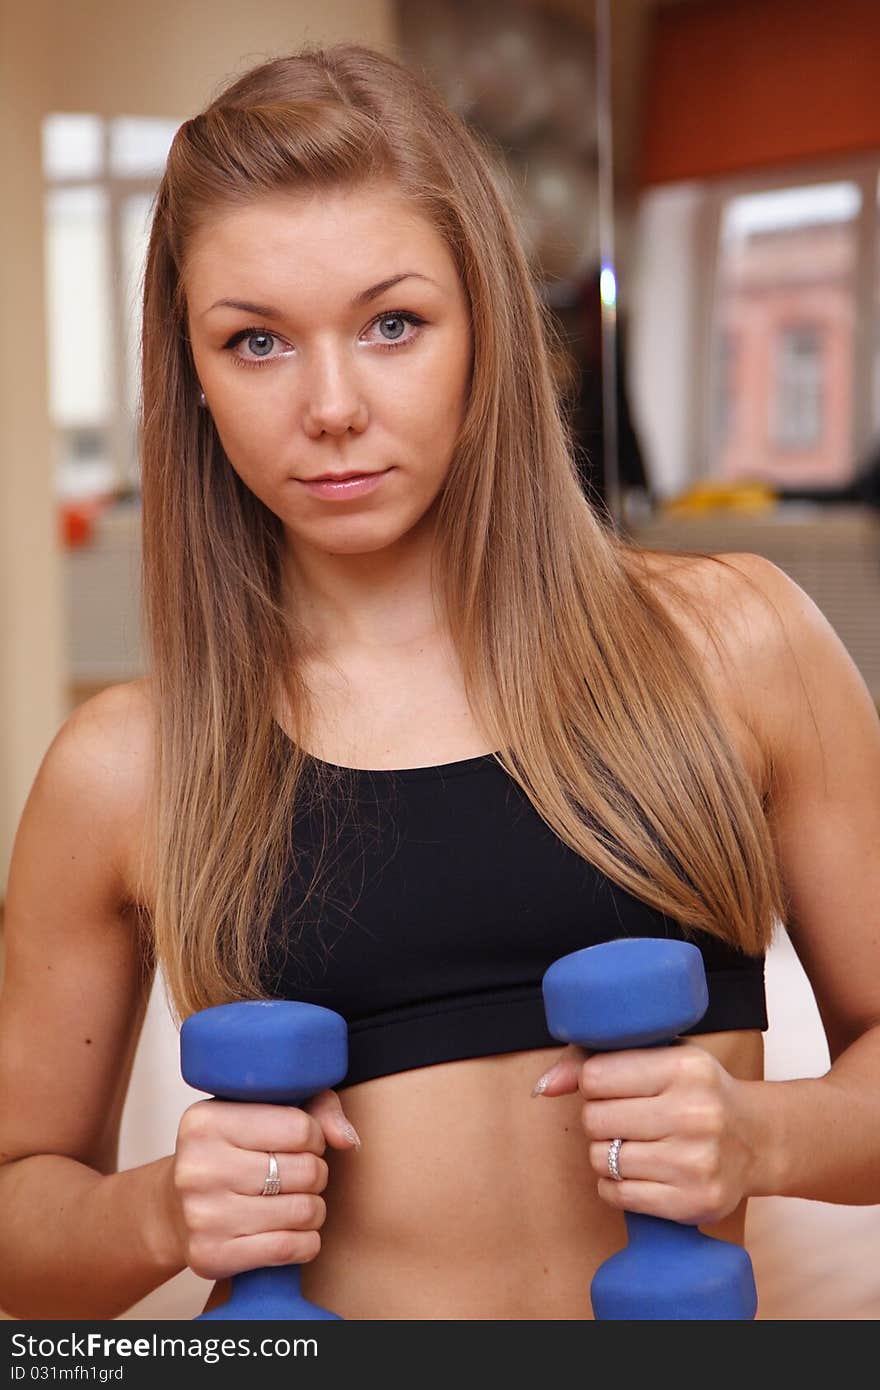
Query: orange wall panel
[733,85]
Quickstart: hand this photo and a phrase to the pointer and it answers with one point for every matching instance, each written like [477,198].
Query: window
[786,287]
[798,388]
[724,388]
[101,177]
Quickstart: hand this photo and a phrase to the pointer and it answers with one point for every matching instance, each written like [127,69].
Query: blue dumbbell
[277,1052]
[640,992]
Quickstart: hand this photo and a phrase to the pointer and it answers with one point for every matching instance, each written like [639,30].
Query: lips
[336,477]
[343,487]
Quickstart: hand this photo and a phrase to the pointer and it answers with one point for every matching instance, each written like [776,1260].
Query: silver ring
[613,1159]
[272,1185]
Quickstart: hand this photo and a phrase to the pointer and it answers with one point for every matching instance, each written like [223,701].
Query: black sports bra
[444,899]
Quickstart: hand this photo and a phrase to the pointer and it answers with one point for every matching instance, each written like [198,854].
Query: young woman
[407,739]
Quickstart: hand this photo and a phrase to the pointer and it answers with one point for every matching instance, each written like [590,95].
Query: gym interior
[697,185]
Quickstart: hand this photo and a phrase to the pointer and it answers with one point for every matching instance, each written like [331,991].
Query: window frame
[864,171]
[780,436]
[120,428]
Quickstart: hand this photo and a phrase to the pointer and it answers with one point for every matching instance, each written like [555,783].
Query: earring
[202,400]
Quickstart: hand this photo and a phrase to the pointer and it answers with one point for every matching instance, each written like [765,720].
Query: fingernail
[350,1133]
[544,1081]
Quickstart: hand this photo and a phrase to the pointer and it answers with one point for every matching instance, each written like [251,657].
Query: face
[329,367]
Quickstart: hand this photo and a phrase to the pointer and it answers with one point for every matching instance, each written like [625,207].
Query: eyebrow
[363,297]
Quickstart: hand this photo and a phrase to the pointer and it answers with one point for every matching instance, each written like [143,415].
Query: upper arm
[820,726]
[76,982]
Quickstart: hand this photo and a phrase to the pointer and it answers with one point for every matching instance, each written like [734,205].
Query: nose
[334,401]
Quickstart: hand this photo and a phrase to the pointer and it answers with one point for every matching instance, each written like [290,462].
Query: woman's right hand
[222,1225]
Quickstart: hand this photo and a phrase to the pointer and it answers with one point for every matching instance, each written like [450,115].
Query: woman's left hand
[687,1128]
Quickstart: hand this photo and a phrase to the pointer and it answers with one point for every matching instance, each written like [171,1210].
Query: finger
[254,1126]
[645,1118]
[234,1256]
[651,1199]
[298,1211]
[338,1131]
[641,1071]
[657,1162]
[299,1172]
[561,1079]
[276,1248]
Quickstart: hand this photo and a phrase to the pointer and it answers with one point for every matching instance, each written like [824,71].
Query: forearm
[819,1137]
[75,1243]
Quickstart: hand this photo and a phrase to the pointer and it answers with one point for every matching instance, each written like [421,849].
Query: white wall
[31,673]
[663,345]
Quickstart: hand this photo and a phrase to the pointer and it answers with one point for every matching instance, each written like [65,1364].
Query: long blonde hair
[588,689]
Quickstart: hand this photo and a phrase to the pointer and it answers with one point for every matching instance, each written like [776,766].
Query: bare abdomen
[470,1198]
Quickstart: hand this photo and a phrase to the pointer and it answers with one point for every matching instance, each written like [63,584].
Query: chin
[362,545]
[364,535]
[358,541]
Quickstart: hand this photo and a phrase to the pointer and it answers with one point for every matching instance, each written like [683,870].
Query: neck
[369,603]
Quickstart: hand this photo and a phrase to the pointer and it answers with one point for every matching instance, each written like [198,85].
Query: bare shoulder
[109,739]
[751,627]
[742,605]
[734,592]
[767,644]
[101,758]
[771,632]
[117,720]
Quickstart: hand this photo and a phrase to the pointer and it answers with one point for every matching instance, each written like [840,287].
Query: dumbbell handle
[281,1053]
[725,1292]
[262,1292]
[268,1289]
[645,992]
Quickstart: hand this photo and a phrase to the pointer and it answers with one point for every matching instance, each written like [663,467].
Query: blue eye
[265,338]
[394,318]
[260,340]
[402,317]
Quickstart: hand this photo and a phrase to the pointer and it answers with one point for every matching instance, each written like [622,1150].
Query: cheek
[240,407]
[436,402]
[248,438]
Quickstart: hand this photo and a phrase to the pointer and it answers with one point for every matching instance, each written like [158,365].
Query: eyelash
[245,333]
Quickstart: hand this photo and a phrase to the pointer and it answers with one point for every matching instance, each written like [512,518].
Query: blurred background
[696,183]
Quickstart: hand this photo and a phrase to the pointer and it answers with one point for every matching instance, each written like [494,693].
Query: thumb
[339,1132]
[562,1078]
